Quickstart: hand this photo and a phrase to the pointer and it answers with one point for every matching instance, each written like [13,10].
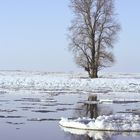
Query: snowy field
[35,102]
[109,87]
[69,82]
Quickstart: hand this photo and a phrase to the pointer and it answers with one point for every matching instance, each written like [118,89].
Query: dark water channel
[35,116]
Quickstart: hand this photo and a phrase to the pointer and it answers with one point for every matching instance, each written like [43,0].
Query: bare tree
[92,34]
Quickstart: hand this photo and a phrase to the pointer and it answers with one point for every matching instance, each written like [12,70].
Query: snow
[76,83]
[118,101]
[118,122]
[110,88]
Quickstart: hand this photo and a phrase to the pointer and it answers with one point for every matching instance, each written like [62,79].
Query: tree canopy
[92,33]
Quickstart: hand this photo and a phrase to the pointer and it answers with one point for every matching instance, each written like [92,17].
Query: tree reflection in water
[91,106]
[91,109]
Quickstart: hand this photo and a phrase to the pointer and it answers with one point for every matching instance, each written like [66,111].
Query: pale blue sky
[33,36]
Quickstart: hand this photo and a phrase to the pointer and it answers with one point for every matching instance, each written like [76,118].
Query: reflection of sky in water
[35,115]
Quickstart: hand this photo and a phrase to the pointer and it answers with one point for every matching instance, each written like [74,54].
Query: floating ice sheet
[119,122]
[98,135]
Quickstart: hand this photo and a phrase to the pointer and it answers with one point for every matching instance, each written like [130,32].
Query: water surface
[35,115]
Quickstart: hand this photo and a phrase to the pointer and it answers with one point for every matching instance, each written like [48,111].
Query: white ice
[118,122]
[69,82]
[98,135]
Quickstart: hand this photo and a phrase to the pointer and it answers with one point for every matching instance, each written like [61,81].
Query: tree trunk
[94,73]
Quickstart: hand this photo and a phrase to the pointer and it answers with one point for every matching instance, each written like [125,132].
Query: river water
[35,115]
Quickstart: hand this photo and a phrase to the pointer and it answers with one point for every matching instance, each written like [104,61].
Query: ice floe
[98,135]
[118,122]
[118,101]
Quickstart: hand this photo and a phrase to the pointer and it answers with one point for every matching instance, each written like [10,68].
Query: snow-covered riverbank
[69,82]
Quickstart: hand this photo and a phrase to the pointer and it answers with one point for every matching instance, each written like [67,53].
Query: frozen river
[29,112]
[35,115]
